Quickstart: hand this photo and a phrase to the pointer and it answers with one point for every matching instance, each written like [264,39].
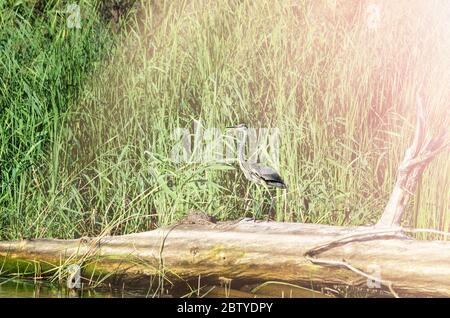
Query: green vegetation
[86,150]
[43,65]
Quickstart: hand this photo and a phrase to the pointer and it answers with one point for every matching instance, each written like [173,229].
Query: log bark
[249,251]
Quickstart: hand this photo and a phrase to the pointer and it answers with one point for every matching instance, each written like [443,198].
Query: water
[27,288]
[22,288]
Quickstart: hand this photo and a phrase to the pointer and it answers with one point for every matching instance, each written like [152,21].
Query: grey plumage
[267,175]
[255,172]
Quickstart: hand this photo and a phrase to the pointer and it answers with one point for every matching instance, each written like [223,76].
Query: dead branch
[423,149]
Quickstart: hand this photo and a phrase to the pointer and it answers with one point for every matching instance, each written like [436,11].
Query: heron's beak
[230,127]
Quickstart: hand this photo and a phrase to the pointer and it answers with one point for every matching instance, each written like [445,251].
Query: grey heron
[255,172]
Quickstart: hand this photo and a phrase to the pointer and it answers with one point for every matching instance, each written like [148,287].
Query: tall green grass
[43,65]
[341,94]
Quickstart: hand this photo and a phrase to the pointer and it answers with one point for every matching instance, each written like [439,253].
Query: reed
[340,92]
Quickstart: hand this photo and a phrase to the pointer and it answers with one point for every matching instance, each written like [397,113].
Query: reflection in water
[19,288]
[22,288]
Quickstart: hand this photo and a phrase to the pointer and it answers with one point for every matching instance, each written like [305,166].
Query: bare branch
[343,263]
[423,150]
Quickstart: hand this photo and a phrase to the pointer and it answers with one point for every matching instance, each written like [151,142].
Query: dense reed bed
[337,80]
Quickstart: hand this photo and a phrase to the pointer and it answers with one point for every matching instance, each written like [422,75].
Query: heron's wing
[269,174]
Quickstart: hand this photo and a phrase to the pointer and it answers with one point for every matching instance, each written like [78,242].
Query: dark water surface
[28,288]
[22,288]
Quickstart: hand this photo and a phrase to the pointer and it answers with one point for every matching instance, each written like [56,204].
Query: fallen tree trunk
[261,251]
[247,251]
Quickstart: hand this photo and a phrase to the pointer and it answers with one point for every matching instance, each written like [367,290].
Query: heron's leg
[270,215]
[248,199]
[258,202]
[266,189]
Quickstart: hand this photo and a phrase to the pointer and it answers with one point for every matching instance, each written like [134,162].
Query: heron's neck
[242,146]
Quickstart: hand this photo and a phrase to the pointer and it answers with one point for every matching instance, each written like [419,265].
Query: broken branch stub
[422,150]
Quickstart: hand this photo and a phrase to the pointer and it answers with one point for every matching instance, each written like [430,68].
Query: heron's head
[239,127]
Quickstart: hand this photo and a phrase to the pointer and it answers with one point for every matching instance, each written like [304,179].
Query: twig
[431,231]
[371,234]
[343,263]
